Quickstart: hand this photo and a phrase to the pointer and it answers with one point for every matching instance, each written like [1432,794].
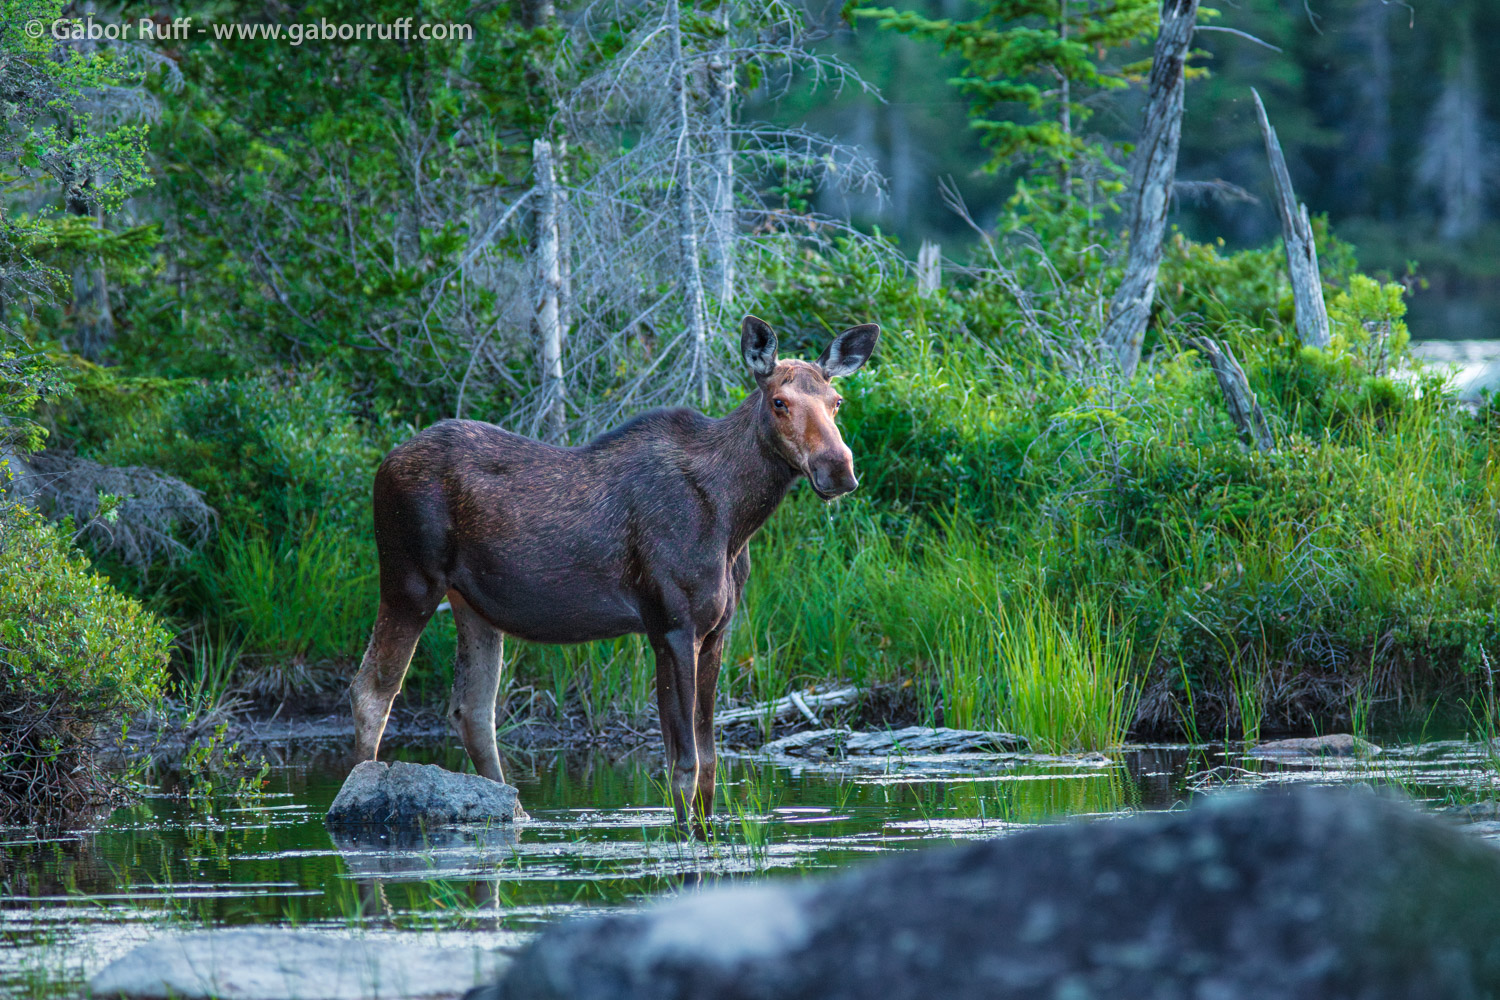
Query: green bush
[287,460]
[1354,563]
[271,453]
[74,651]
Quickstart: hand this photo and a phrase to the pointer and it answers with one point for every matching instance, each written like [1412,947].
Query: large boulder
[1250,896]
[291,965]
[406,795]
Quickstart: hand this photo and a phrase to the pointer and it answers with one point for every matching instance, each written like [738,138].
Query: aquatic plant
[216,768]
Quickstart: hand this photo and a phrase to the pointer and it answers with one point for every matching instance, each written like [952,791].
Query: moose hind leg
[476,685]
[375,687]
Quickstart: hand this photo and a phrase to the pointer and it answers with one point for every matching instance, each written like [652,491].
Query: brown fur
[642,530]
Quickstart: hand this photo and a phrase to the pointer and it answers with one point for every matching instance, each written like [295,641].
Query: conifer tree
[1031,69]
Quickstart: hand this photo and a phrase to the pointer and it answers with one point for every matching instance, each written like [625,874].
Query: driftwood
[1244,408]
[794,703]
[1153,174]
[1301,251]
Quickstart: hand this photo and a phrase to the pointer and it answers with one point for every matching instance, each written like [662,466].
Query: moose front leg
[710,651]
[676,701]
[707,686]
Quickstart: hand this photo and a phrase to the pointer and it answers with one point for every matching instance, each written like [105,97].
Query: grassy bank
[1036,545]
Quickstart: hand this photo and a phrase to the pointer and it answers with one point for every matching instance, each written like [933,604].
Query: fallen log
[910,740]
[1244,408]
[792,704]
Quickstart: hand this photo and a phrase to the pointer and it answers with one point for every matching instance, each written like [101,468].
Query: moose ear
[849,350]
[758,346]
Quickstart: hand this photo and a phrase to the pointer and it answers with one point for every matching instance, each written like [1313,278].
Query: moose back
[642,530]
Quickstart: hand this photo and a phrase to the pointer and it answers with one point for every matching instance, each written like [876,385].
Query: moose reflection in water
[642,530]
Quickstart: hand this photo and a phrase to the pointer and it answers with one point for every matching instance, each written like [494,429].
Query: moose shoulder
[642,530]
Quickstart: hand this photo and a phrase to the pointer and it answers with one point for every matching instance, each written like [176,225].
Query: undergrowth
[1029,530]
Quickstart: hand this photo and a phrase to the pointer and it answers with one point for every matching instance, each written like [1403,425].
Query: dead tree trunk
[929,268]
[1154,172]
[93,321]
[721,89]
[1244,408]
[687,223]
[549,285]
[1064,104]
[1301,251]
[565,244]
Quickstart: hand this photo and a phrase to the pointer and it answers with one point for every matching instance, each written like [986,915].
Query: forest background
[238,270]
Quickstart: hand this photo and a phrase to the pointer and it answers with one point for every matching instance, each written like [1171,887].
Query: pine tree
[1031,69]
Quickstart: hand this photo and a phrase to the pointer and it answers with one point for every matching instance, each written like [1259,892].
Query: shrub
[286,460]
[73,652]
[273,452]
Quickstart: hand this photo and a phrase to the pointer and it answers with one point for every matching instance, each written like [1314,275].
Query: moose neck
[750,478]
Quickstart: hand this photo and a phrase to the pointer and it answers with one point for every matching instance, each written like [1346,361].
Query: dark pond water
[598,837]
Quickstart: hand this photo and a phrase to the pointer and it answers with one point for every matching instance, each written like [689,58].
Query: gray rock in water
[911,740]
[1333,745]
[291,965]
[419,795]
[1300,895]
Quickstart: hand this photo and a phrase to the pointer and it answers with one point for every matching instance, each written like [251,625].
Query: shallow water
[597,837]
[1473,366]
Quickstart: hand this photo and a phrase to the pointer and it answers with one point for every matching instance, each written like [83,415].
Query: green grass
[1014,513]
[313,597]
[1068,676]
[205,677]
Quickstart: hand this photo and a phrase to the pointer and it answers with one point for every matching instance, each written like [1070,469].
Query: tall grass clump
[311,597]
[1067,676]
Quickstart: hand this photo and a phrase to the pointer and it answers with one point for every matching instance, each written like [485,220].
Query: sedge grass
[1067,675]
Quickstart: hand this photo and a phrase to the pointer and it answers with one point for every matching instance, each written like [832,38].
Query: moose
[644,529]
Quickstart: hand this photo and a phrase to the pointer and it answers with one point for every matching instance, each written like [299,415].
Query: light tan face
[802,403]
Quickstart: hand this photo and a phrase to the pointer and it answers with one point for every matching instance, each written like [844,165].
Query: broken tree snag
[687,223]
[1244,408]
[549,282]
[1153,172]
[1301,251]
[929,268]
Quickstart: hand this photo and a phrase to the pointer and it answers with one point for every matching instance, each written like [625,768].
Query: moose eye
[780,404]
[837,403]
